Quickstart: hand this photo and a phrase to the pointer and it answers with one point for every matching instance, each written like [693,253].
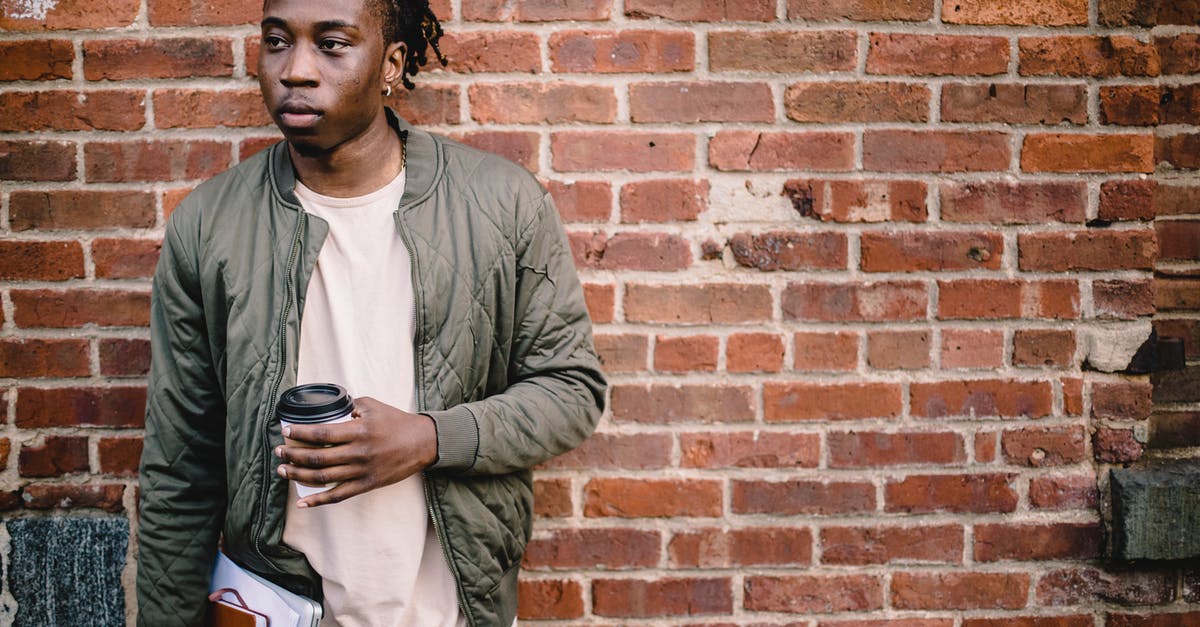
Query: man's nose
[301,67]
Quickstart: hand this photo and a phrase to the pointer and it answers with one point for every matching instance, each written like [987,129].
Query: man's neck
[356,167]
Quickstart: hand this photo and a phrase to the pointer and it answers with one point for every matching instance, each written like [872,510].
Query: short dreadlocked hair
[411,22]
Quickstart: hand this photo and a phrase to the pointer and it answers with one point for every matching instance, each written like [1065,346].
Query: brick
[1128,200]
[600,301]
[651,498]
[124,358]
[814,594]
[40,261]
[959,590]
[202,108]
[898,350]
[615,451]
[554,599]
[1038,348]
[936,151]
[541,103]
[711,303]
[80,209]
[1004,398]
[858,201]
[79,307]
[1180,104]
[492,51]
[626,352]
[1072,388]
[788,52]
[125,59]
[1177,429]
[582,201]
[936,55]
[245,149]
[1021,13]
[695,101]
[885,544]
[1180,151]
[1073,586]
[119,456]
[782,250]
[1128,12]
[916,251]
[868,449]
[670,404]
[537,10]
[802,497]
[592,151]
[891,622]
[1130,105]
[686,353]
[36,59]
[37,160]
[192,13]
[552,498]
[1187,329]
[733,548]
[658,252]
[125,258]
[754,352]
[1044,446]
[1161,619]
[56,456]
[1038,542]
[68,15]
[977,494]
[972,349]
[30,358]
[1087,250]
[40,496]
[1013,103]
[1177,240]
[665,200]
[608,52]
[861,10]
[817,351]
[841,102]
[703,11]
[1116,446]
[427,106]
[1064,492]
[1014,203]
[858,302]
[749,450]
[81,407]
[1171,294]
[629,598]
[1180,54]
[522,148]
[157,160]
[1087,55]
[753,151]
[1005,298]
[62,110]
[1087,153]
[593,548]
[791,402]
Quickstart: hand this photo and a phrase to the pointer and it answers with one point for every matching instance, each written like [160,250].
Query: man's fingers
[337,494]
[324,435]
[320,476]
[321,457]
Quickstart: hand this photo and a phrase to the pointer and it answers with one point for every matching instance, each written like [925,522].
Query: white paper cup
[313,404]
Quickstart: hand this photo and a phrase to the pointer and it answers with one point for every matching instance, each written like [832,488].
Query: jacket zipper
[434,514]
[287,306]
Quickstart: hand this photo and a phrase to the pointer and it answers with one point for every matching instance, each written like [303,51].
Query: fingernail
[278,451]
[282,472]
[287,431]
[302,505]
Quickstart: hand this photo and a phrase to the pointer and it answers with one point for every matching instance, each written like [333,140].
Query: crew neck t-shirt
[377,553]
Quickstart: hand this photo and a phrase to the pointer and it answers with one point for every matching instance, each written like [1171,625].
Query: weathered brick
[802,497]
[814,594]
[936,151]
[1088,153]
[625,352]
[1014,203]
[1037,542]
[755,151]
[119,357]
[754,352]
[1019,13]
[703,11]
[536,10]
[666,200]
[916,251]
[593,548]
[779,250]
[210,13]
[609,52]
[541,103]
[519,147]
[1180,54]
[119,456]
[36,59]
[1013,103]
[756,546]
[552,498]
[616,452]
[898,350]
[592,151]
[790,402]
[936,55]
[1128,200]
[859,201]
[1087,55]
[855,302]
[37,160]
[202,108]
[582,201]
[1006,298]
[1063,492]
[870,449]
[68,15]
[78,307]
[790,52]
[125,258]
[154,160]
[749,450]
[1116,446]
[972,349]
[62,110]
[427,105]
[40,261]
[959,590]
[842,102]
[31,358]
[1180,151]
[883,544]
[553,599]
[661,252]
[1041,348]
[651,498]
[108,497]
[56,456]
[1129,587]
[80,209]
[629,598]
[125,59]
[694,101]
[686,353]
[492,51]
[1044,446]
[981,398]
[81,407]
[719,303]
[1087,250]
[669,404]
[1130,105]
[861,10]
[818,351]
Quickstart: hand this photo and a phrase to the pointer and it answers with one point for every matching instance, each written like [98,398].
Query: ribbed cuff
[457,438]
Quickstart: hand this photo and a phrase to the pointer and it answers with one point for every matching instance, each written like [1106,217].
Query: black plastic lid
[314,402]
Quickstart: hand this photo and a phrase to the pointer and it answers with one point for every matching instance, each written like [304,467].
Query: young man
[429,279]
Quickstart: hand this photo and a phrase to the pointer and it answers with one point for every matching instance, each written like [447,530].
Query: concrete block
[1156,512]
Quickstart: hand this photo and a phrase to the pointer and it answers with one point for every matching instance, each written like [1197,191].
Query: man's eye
[332,44]
[274,42]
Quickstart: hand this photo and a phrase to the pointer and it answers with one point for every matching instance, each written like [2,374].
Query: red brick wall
[847,262]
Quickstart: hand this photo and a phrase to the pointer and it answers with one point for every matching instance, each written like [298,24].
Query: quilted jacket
[504,366]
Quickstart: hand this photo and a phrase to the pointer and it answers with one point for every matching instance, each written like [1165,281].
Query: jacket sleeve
[556,391]
[182,473]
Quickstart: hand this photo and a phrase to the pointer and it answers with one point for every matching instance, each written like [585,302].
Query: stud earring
[388,93]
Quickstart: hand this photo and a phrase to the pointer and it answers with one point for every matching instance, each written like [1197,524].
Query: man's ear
[393,64]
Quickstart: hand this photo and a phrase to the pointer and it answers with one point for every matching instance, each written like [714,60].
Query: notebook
[257,598]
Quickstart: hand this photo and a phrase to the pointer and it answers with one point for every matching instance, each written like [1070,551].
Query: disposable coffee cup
[313,404]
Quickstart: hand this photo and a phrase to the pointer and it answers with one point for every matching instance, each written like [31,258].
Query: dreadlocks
[411,22]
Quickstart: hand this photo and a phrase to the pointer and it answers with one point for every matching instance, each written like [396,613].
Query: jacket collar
[423,161]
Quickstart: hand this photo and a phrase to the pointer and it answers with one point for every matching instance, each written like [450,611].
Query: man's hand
[384,445]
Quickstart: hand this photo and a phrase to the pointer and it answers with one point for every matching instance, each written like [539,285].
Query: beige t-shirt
[377,553]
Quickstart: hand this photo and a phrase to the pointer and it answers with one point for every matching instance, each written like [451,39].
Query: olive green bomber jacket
[504,366]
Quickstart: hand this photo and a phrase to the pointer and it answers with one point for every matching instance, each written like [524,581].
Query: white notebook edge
[283,607]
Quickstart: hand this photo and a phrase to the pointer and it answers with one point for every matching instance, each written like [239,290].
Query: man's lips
[298,116]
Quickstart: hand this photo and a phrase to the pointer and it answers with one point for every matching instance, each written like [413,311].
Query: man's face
[320,70]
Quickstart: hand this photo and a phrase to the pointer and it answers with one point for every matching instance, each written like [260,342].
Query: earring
[388,93]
